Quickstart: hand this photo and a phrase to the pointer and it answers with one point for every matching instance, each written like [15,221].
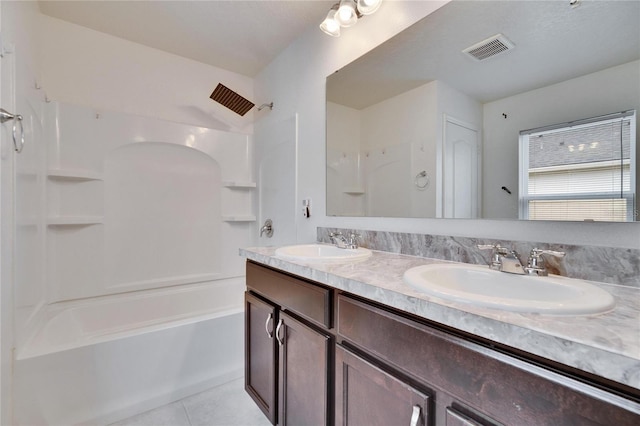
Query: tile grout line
[184,407]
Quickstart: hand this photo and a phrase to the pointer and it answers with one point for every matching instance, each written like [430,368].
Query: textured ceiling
[553,43]
[240,36]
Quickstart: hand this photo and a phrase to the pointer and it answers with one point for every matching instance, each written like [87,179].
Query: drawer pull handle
[280,322]
[415,416]
[266,325]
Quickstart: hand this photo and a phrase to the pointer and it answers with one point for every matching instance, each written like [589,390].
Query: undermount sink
[321,253]
[481,286]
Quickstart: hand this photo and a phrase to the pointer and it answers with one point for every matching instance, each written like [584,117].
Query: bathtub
[99,360]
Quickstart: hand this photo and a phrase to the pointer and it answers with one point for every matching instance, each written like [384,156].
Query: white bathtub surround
[141,301]
[607,345]
[605,264]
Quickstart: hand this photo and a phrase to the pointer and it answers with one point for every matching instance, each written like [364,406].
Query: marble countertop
[607,345]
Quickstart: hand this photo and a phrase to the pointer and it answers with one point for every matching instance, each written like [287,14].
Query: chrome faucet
[341,241]
[507,260]
[504,259]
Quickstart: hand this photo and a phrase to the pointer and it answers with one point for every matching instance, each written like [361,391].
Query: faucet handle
[536,252]
[497,252]
[353,240]
[536,263]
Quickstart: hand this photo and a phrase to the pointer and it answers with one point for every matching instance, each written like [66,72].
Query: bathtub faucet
[267,228]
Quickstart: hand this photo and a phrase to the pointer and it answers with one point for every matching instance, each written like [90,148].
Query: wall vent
[230,99]
[490,47]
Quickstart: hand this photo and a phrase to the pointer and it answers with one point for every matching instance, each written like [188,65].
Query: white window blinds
[579,171]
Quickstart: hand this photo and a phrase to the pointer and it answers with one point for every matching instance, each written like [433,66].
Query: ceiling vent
[230,99]
[490,47]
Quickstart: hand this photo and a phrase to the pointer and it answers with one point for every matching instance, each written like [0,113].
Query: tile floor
[225,405]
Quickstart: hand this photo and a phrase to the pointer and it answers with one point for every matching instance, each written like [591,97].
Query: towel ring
[17,119]
[422,180]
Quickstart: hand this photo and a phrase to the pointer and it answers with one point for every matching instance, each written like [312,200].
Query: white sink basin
[482,286]
[321,253]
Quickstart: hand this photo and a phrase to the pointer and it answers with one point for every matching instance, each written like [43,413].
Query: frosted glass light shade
[367,7]
[330,25]
[347,15]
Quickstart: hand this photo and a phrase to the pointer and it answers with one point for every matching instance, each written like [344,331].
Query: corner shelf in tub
[73,174]
[354,190]
[74,220]
[239,185]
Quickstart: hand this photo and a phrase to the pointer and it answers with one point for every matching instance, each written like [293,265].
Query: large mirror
[492,109]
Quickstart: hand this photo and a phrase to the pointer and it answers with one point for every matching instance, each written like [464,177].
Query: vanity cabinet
[319,356]
[472,384]
[288,347]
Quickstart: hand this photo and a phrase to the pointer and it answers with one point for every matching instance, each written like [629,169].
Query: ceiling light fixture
[330,25]
[367,7]
[346,13]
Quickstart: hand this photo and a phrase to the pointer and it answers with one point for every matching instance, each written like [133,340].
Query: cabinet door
[304,373]
[366,395]
[260,354]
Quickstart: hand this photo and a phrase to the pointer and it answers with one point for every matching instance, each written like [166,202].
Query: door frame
[440,207]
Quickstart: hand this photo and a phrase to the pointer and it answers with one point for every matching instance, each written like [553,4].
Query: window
[580,171]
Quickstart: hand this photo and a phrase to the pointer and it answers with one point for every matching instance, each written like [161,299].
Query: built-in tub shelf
[73,174]
[239,218]
[354,190]
[74,220]
[238,185]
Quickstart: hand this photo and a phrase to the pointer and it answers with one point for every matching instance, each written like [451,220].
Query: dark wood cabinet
[475,384]
[289,348]
[380,366]
[260,354]
[304,373]
[455,418]
[367,395]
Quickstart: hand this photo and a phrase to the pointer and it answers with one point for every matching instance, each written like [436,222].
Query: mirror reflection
[492,109]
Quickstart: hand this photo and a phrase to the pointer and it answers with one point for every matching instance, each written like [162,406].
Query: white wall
[86,67]
[295,81]
[612,90]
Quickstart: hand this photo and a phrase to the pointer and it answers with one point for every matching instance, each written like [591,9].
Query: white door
[460,170]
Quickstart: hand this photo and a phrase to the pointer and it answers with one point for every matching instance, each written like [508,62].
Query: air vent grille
[230,99]
[489,48]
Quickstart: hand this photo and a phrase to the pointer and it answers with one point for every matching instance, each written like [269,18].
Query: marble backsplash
[605,264]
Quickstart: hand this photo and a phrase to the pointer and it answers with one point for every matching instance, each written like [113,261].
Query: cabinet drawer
[507,389]
[310,301]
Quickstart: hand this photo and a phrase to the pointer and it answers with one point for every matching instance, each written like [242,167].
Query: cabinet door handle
[415,416]
[278,327]
[266,325]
